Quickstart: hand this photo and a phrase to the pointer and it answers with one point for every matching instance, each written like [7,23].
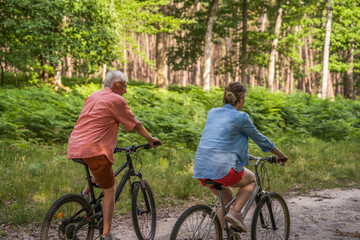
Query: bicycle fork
[272,219]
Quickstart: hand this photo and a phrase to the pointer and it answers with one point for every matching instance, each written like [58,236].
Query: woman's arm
[279,155]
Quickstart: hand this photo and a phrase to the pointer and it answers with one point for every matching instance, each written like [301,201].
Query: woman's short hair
[233,93]
[114,76]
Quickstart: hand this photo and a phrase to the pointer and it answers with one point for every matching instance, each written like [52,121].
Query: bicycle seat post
[88,178]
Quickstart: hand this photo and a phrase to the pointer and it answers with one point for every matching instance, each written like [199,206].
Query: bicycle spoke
[64,220]
[264,229]
[195,224]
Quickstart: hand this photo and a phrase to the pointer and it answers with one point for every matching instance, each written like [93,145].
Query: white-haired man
[94,138]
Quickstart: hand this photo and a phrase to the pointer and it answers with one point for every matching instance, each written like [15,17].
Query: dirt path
[326,215]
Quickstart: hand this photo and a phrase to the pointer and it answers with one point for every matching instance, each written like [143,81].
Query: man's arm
[140,129]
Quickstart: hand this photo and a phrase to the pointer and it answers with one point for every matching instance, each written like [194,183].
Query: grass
[33,177]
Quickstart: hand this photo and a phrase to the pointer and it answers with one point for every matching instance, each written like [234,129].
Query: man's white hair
[114,76]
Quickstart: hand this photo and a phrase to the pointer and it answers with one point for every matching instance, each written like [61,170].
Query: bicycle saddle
[79,160]
[215,185]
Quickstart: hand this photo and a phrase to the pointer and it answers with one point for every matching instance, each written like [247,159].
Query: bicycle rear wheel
[196,223]
[143,211]
[262,225]
[63,217]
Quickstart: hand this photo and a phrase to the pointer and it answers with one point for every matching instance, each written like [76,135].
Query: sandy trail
[327,215]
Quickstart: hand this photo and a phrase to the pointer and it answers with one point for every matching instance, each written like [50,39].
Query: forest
[299,60]
[308,45]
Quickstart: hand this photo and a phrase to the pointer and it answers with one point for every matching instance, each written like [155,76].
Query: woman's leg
[246,187]
[228,195]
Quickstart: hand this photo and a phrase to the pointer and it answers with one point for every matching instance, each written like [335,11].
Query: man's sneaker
[235,219]
[86,197]
[110,237]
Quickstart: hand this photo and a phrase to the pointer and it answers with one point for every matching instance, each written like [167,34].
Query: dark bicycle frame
[96,203]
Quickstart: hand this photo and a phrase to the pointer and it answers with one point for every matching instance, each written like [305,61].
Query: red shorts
[232,178]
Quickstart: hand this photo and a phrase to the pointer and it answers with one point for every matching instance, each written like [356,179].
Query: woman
[223,151]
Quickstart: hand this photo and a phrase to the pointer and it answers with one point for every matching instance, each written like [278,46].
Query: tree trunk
[227,54]
[162,80]
[274,50]
[103,74]
[125,64]
[311,62]
[2,75]
[207,46]
[330,89]
[291,80]
[307,66]
[287,76]
[325,69]
[262,22]
[349,80]
[244,44]
[57,74]
[198,73]
[147,43]
[69,67]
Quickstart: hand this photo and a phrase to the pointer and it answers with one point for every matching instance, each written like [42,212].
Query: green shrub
[43,115]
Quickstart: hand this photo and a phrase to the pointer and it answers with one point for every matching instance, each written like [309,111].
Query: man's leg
[108,208]
[87,187]
[102,169]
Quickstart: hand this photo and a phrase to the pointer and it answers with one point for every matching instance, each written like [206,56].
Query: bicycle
[72,217]
[271,219]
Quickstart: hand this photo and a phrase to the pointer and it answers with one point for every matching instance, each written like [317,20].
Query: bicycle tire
[281,217]
[143,215]
[190,220]
[61,219]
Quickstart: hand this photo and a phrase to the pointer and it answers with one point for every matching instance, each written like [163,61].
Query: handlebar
[270,159]
[133,148]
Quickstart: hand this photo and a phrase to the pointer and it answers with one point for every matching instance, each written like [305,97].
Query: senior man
[94,138]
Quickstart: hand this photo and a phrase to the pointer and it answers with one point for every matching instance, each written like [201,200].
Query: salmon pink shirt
[96,130]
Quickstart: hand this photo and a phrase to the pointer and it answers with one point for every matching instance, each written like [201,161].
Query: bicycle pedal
[236,228]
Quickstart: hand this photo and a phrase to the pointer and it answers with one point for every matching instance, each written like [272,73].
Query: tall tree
[274,47]
[326,51]
[207,44]
[161,70]
[244,44]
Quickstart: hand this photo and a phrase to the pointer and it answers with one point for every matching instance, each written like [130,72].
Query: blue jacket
[224,143]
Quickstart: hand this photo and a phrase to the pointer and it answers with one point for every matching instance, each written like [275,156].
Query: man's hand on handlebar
[154,142]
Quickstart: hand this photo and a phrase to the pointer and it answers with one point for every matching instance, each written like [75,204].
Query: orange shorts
[102,170]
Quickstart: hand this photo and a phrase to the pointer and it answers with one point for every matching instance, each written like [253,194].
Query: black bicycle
[271,219]
[72,217]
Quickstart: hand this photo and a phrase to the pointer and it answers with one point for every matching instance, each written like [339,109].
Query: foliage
[37,35]
[39,31]
[309,130]
[43,115]
[33,177]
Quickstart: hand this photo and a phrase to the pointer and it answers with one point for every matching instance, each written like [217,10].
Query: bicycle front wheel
[143,211]
[62,221]
[197,223]
[271,219]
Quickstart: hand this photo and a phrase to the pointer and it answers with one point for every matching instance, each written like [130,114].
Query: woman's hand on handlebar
[281,159]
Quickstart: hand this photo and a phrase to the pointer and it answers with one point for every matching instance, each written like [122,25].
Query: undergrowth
[320,137]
